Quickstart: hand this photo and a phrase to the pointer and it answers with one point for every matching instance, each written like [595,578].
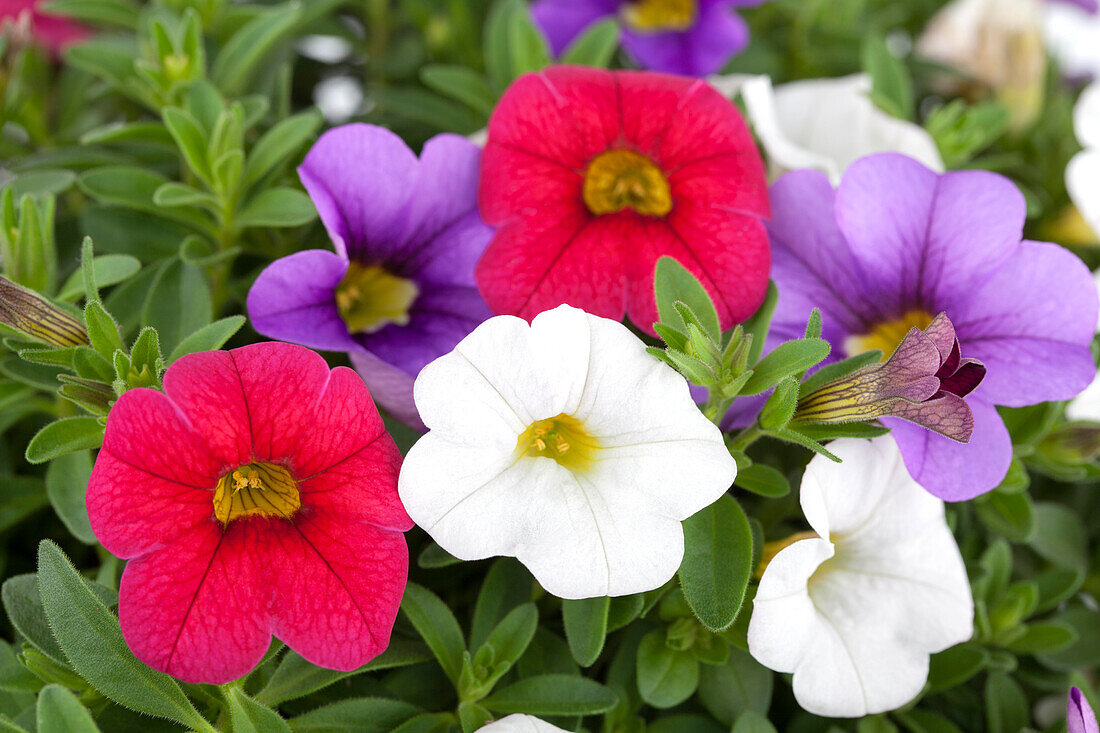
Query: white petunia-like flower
[856,611]
[1086,406]
[566,445]
[521,724]
[1083,171]
[1071,33]
[827,124]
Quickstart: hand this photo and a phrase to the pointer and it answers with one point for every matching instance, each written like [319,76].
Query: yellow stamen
[622,179]
[562,439]
[771,549]
[256,490]
[887,335]
[661,15]
[369,298]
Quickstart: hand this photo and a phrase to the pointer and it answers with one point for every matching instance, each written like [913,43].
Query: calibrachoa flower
[855,607]
[255,496]
[1083,171]
[593,175]
[1086,406]
[828,124]
[399,290]
[1079,715]
[523,724]
[896,244]
[566,445]
[53,31]
[689,37]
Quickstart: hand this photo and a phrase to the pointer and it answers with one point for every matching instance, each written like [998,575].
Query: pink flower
[255,496]
[55,32]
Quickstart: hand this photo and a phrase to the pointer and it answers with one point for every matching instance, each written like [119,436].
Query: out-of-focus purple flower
[689,37]
[399,291]
[896,243]
[925,381]
[1079,715]
[1090,6]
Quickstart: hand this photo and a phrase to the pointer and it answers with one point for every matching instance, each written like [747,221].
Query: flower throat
[622,179]
[660,15]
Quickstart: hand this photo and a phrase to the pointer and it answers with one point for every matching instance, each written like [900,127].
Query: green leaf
[208,338]
[1011,515]
[924,721]
[102,329]
[1046,637]
[1006,706]
[875,724]
[23,604]
[527,47]
[586,627]
[891,88]
[279,143]
[360,715]
[190,139]
[127,132]
[134,188]
[595,46]
[46,182]
[66,483]
[1059,536]
[1086,652]
[427,723]
[825,432]
[666,676]
[438,627]
[295,677]
[954,666]
[243,54]
[178,194]
[763,480]
[90,637]
[717,562]
[759,323]
[792,357]
[798,438]
[249,716]
[64,436]
[277,207]
[472,716]
[1057,585]
[513,634]
[506,585]
[751,721]
[178,302]
[781,404]
[552,694]
[672,282]
[740,684]
[433,557]
[121,13]
[461,83]
[109,270]
[60,712]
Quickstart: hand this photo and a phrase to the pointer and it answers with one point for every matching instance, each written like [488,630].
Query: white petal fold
[855,614]
[520,724]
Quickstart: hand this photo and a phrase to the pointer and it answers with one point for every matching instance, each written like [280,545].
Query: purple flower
[399,291]
[688,37]
[1079,715]
[897,243]
[1090,6]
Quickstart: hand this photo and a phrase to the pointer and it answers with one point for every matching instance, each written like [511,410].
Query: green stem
[746,437]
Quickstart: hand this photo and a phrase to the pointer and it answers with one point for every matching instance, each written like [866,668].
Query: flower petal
[336,588]
[445,190]
[1034,339]
[564,20]
[294,299]
[391,388]
[359,209]
[197,608]
[716,36]
[1079,715]
[932,235]
[957,471]
[207,389]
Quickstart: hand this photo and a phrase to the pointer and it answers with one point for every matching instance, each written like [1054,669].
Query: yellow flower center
[256,490]
[887,335]
[369,298]
[562,438]
[622,179]
[660,15]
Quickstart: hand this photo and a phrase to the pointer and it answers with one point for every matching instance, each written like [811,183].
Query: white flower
[1083,171]
[521,724]
[1086,406]
[999,44]
[855,612]
[565,445]
[827,124]
[1071,34]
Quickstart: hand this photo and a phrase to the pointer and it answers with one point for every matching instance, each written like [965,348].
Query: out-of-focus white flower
[566,445]
[996,43]
[1083,171]
[1086,406]
[855,612]
[521,724]
[827,124]
[1071,34]
[339,98]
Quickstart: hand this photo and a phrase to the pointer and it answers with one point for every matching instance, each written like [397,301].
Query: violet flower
[897,243]
[399,291]
[1079,715]
[688,37]
[925,381]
